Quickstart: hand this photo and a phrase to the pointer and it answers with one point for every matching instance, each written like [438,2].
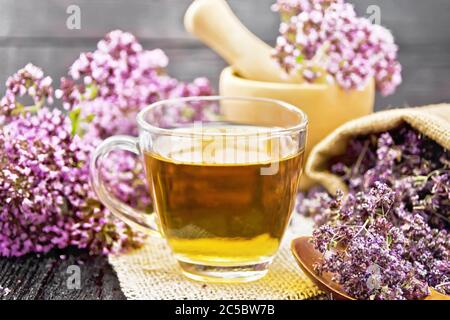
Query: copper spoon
[306,256]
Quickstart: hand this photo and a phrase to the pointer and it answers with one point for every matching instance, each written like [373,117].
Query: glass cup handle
[137,219]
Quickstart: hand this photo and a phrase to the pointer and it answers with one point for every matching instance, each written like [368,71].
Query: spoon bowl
[306,256]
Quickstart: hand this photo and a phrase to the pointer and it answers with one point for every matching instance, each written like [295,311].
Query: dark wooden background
[35,31]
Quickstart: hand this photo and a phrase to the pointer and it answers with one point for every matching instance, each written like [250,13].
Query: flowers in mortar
[45,194]
[325,41]
[388,238]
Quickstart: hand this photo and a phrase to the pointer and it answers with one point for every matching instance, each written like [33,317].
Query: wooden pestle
[213,22]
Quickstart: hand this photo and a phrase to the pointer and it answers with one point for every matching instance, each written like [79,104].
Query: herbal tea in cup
[223,188]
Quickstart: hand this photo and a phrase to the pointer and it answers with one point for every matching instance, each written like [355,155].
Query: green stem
[29,109]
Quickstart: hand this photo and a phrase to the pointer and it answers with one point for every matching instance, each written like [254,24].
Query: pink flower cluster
[325,40]
[29,81]
[44,190]
[120,78]
[45,194]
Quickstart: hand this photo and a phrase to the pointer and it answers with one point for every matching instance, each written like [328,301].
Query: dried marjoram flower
[395,219]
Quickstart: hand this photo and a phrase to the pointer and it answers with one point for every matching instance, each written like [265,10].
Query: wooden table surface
[45,277]
[35,31]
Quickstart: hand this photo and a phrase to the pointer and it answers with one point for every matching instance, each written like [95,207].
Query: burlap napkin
[152,273]
[433,121]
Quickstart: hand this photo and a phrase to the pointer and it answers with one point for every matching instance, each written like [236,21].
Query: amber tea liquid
[214,205]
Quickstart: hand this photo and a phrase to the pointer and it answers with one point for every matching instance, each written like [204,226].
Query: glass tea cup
[223,174]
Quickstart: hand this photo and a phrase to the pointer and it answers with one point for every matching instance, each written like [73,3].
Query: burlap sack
[432,121]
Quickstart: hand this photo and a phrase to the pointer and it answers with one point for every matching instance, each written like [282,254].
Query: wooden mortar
[254,73]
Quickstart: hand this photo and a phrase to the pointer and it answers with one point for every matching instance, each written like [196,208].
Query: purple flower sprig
[46,198]
[325,41]
[27,82]
[120,78]
[395,219]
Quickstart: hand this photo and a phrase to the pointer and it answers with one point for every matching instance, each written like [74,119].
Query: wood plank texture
[426,69]
[413,21]
[44,277]
[35,31]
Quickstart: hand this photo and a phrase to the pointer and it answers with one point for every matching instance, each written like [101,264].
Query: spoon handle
[213,22]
